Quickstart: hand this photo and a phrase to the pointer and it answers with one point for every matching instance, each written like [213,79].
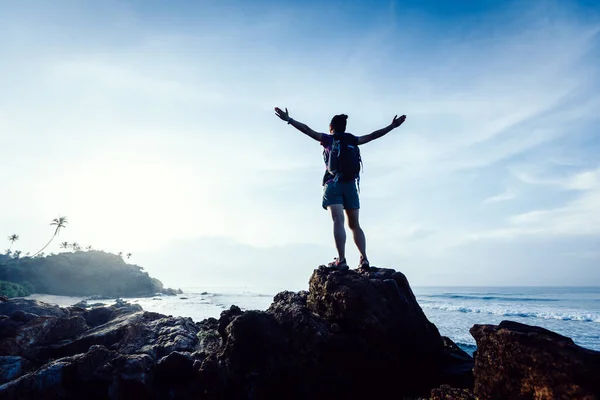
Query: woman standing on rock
[341,181]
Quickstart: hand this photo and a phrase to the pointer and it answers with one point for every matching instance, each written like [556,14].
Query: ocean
[569,311]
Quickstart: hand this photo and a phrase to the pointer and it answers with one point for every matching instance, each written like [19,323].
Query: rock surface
[517,361]
[352,335]
[446,392]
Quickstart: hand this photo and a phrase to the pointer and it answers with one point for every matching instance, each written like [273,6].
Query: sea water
[569,311]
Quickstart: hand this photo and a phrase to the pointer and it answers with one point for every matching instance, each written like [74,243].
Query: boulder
[378,331]
[32,307]
[518,361]
[140,332]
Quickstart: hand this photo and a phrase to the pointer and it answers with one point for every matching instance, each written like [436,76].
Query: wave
[487,297]
[468,348]
[562,316]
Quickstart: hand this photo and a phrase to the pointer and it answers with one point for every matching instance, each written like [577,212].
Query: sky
[150,125]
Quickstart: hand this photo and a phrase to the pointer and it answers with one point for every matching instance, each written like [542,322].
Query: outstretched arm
[284,115]
[396,122]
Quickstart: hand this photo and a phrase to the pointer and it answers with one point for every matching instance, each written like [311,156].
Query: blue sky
[150,125]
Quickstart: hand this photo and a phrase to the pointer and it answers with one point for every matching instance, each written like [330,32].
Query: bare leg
[339,231]
[359,236]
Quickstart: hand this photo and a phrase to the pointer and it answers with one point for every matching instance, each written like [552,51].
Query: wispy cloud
[504,196]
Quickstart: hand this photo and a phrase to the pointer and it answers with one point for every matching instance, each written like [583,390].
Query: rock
[20,337]
[210,341]
[171,292]
[132,378]
[82,304]
[97,374]
[518,361]
[22,316]
[227,317]
[140,332]
[99,316]
[11,367]
[457,365]
[254,343]
[256,357]
[446,392]
[378,307]
[32,307]
[381,333]
[306,331]
[176,367]
[82,376]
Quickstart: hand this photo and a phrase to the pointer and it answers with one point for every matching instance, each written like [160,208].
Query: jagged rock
[97,374]
[19,337]
[101,315]
[32,307]
[254,345]
[227,317]
[140,332]
[22,316]
[209,339]
[82,304]
[11,367]
[518,361]
[175,368]
[306,331]
[456,365]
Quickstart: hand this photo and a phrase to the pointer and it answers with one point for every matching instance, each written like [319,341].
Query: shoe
[338,264]
[364,264]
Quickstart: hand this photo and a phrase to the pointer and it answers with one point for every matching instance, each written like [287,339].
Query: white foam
[566,315]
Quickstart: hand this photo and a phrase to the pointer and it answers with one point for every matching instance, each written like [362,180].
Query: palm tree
[17,254]
[13,238]
[128,255]
[75,246]
[121,254]
[8,252]
[89,248]
[59,222]
[64,245]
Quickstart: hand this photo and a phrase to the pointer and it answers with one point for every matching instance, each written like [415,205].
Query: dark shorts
[345,193]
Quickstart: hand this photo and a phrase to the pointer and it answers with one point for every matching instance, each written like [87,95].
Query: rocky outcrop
[352,335]
[349,330]
[517,361]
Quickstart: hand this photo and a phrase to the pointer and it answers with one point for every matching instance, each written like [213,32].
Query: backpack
[344,161]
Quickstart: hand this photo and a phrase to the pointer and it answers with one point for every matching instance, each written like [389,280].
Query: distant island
[79,273]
